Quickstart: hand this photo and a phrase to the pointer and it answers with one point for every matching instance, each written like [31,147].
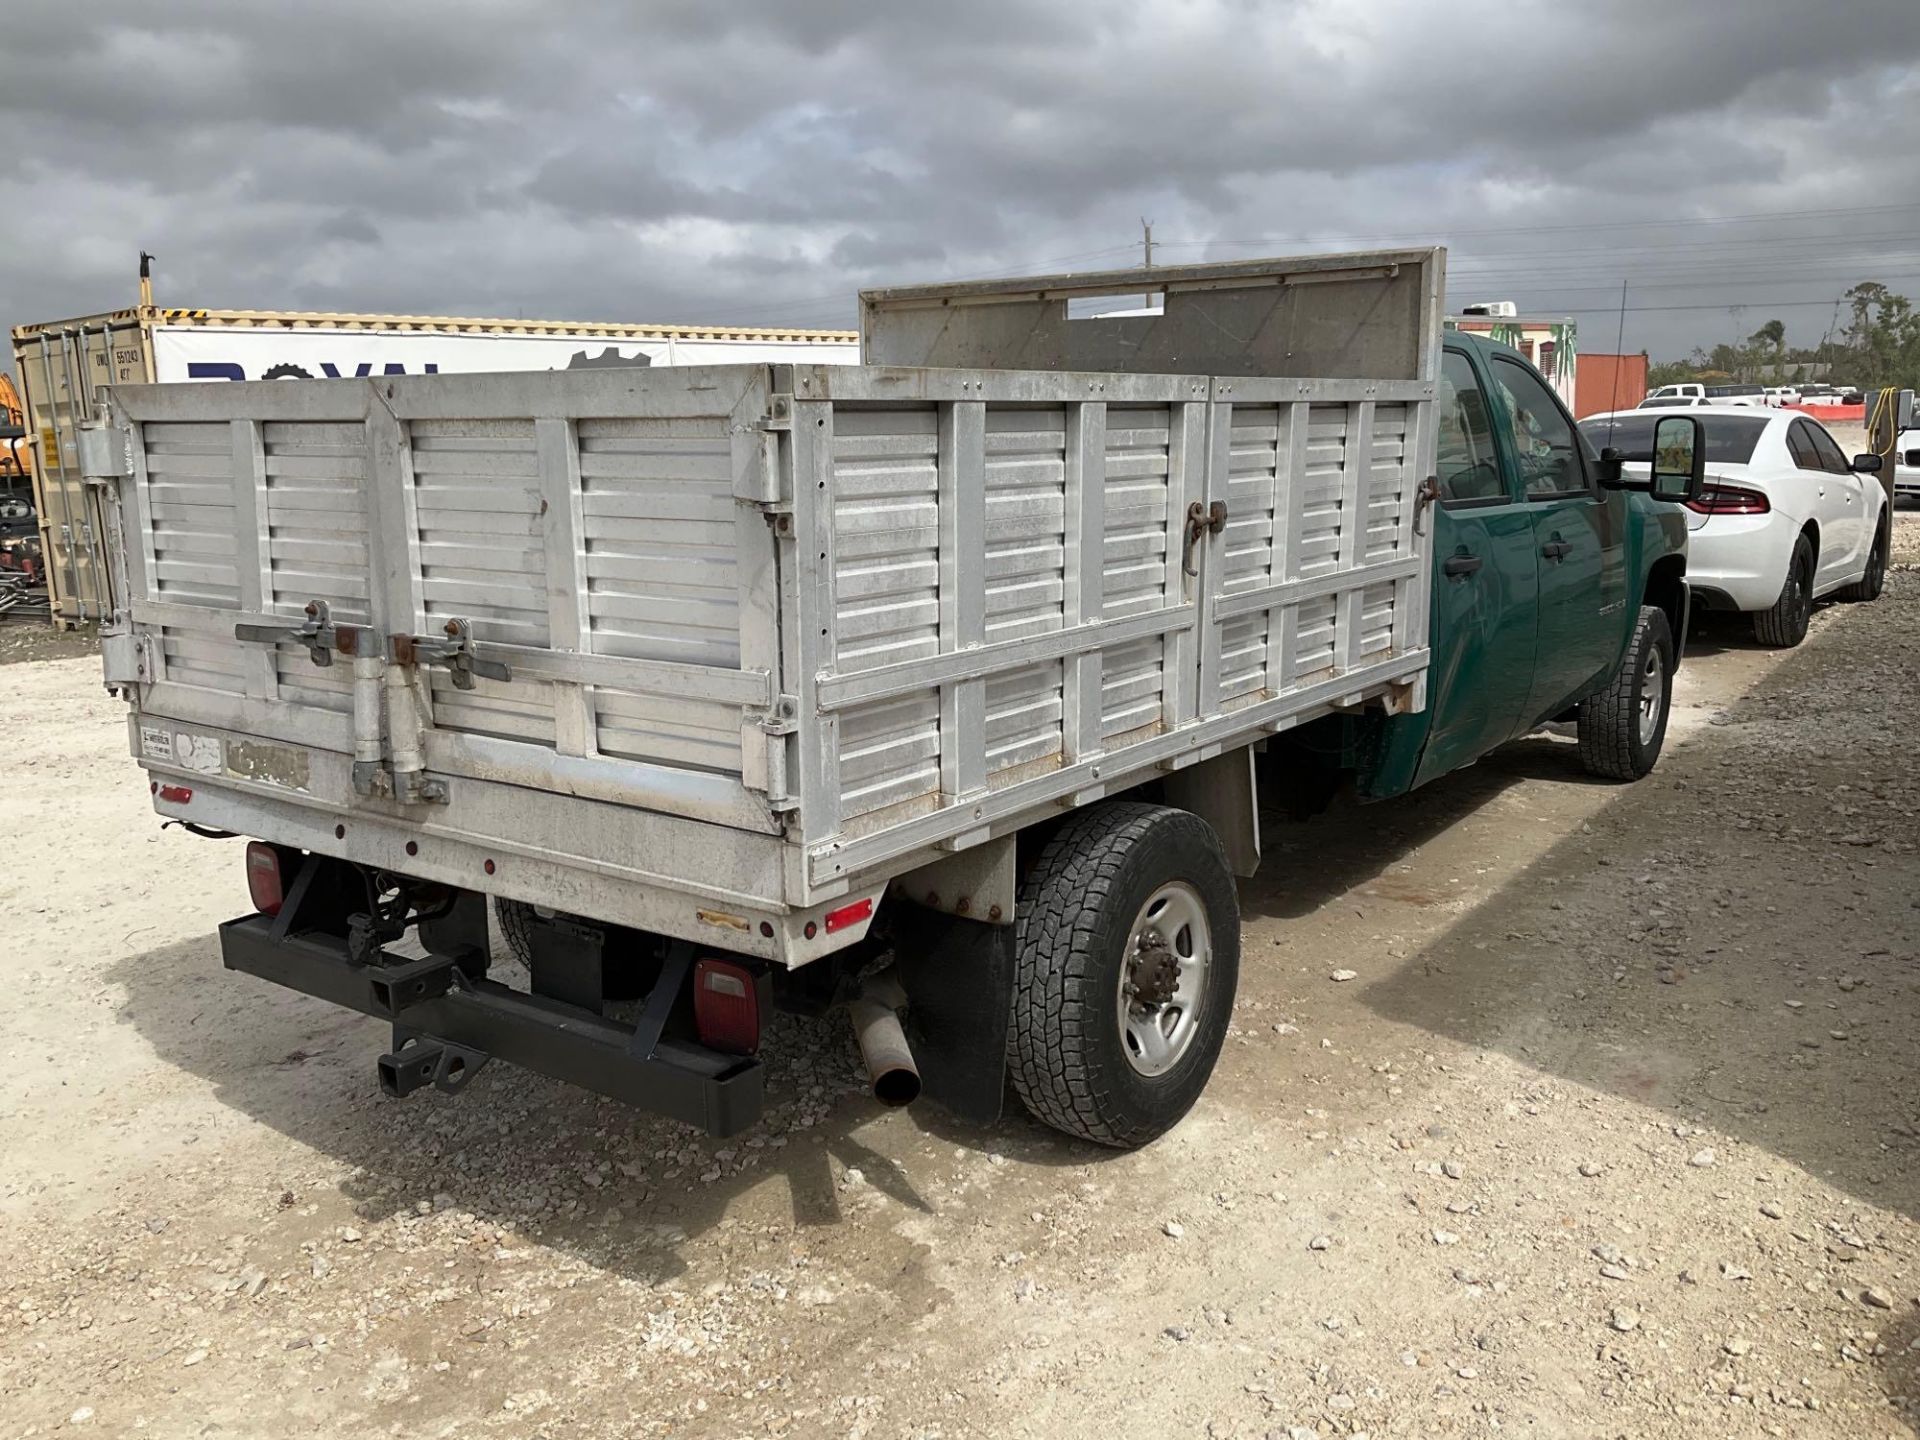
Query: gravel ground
[23,639]
[1615,1133]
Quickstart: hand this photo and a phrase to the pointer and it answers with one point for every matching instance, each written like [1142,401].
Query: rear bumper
[1742,559]
[722,1094]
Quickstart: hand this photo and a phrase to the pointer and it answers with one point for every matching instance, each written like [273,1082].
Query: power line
[1430,233]
[1681,279]
[1741,305]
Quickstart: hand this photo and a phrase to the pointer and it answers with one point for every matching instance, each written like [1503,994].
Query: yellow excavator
[13,445]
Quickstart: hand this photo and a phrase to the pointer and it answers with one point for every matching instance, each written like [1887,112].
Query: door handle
[1556,549]
[1461,564]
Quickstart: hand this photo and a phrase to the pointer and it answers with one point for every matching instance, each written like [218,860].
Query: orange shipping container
[1609,382]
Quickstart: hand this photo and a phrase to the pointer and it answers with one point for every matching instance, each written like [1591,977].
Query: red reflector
[263,877]
[176,794]
[1729,500]
[726,1006]
[847,915]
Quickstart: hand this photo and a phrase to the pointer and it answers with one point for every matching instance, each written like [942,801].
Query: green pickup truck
[1559,594]
[937,687]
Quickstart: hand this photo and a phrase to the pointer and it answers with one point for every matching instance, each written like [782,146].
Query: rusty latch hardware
[1202,520]
[1427,494]
[452,649]
[317,633]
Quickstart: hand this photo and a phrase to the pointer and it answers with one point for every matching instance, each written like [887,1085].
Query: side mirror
[1867,464]
[1679,459]
[1607,472]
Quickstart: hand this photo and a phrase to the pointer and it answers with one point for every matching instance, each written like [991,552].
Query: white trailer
[61,363]
[740,683]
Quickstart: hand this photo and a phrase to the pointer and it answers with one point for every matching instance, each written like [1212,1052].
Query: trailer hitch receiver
[416,1062]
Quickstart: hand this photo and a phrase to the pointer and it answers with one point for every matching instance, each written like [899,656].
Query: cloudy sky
[759,161]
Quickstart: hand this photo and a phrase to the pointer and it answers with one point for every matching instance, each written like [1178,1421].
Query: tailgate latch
[317,633]
[452,649]
[1202,520]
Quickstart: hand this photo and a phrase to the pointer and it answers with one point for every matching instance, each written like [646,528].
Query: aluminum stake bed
[738,661]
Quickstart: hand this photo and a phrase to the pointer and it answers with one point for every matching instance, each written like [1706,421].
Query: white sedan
[1785,519]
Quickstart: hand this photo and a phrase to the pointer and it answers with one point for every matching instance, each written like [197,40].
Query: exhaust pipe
[875,1011]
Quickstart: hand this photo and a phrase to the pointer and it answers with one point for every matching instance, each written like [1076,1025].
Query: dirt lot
[1615,1134]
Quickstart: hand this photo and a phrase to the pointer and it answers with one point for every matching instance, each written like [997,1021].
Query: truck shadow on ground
[1355,848]
[1531,970]
[620,1188]
[1724,900]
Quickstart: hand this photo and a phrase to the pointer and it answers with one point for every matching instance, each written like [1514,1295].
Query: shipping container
[58,360]
[1609,382]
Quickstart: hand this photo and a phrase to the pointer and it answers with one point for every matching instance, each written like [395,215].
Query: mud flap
[958,976]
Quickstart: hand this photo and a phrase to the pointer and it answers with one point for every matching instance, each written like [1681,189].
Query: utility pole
[1146,241]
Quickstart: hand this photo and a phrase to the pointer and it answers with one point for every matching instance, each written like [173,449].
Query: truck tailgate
[580,531]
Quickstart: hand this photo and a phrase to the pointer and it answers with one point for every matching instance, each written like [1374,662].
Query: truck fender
[1222,791]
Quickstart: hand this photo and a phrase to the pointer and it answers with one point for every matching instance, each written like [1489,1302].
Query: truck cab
[1550,584]
[1686,390]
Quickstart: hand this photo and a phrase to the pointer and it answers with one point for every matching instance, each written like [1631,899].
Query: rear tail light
[728,1001]
[1729,500]
[176,794]
[264,881]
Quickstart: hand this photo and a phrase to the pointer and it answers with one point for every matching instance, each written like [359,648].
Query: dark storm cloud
[761,161]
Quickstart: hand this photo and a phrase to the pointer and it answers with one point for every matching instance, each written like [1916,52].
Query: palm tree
[1773,334]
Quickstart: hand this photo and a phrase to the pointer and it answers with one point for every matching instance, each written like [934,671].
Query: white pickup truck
[1906,465]
[933,684]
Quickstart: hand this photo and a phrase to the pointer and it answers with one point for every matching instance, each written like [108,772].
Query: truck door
[1484,583]
[1579,541]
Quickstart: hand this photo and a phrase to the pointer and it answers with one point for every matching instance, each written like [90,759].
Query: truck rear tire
[1127,956]
[513,917]
[1623,727]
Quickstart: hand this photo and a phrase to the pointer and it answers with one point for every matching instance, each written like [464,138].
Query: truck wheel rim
[1163,978]
[1653,690]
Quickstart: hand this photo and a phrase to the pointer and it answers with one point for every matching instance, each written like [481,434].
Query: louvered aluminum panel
[1024,709]
[886,581]
[476,491]
[890,756]
[316,524]
[189,498]
[1316,547]
[1320,486]
[1026,518]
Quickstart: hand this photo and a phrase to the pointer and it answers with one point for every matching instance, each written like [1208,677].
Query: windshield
[1730,438]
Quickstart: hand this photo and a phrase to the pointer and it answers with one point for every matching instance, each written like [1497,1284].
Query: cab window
[1546,445]
[1465,461]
